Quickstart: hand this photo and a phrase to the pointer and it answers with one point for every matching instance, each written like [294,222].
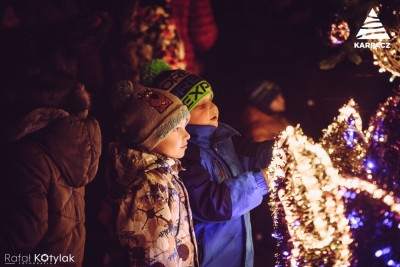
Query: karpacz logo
[372,45]
[372,29]
[37,259]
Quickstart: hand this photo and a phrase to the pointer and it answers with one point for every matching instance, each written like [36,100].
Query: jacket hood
[127,166]
[72,142]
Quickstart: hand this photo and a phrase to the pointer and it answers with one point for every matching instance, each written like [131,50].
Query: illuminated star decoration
[317,231]
[383,136]
[372,198]
[344,140]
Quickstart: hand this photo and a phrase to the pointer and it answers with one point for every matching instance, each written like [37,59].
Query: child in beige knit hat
[153,220]
[226,174]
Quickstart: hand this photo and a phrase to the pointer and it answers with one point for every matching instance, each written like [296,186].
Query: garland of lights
[310,183]
[388,59]
[344,140]
[382,159]
[336,141]
[387,197]
[313,210]
[371,190]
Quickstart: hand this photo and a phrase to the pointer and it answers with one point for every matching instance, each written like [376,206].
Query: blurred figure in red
[171,30]
[196,26]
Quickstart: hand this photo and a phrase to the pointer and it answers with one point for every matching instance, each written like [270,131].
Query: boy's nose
[214,107]
[187,135]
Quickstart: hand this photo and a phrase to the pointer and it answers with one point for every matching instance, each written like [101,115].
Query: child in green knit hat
[226,175]
[188,87]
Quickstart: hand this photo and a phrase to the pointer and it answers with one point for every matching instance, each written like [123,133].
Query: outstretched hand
[278,162]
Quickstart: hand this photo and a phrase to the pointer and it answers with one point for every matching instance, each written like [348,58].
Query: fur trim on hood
[127,166]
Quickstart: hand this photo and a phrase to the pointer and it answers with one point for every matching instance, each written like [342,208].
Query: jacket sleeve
[215,202]
[253,154]
[145,224]
[24,206]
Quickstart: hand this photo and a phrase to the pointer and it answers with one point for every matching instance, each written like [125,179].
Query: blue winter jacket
[224,183]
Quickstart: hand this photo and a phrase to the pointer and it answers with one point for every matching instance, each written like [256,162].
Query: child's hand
[265,173]
[278,163]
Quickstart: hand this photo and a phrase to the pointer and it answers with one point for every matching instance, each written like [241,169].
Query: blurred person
[172,30]
[50,144]
[196,25]
[263,116]
[263,119]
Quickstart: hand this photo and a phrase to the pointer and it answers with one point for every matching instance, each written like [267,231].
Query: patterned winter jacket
[224,183]
[45,167]
[153,221]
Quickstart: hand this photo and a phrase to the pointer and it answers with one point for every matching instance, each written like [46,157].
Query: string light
[318,229]
[344,140]
[373,190]
[310,193]
[388,59]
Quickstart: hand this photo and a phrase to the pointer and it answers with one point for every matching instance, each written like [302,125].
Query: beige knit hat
[147,115]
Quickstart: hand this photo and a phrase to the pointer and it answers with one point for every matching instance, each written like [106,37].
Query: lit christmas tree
[369,215]
[383,135]
[337,203]
[308,211]
[344,141]
[382,165]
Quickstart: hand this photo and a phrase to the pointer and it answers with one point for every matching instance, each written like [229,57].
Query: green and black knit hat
[189,87]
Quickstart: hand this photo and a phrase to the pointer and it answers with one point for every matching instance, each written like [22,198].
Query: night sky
[279,40]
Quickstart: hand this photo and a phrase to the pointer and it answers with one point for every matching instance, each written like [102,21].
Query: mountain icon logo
[372,28]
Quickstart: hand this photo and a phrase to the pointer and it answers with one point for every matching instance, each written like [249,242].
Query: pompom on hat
[189,87]
[145,116]
[151,69]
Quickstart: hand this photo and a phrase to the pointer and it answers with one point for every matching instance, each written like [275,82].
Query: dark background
[276,40]
[279,40]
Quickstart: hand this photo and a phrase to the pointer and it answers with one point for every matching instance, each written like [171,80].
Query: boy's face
[175,143]
[205,113]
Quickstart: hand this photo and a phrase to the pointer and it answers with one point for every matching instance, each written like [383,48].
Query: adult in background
[50,146]
[264,116]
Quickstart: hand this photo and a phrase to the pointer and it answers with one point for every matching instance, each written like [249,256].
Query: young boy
[153,221]
[222,177]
